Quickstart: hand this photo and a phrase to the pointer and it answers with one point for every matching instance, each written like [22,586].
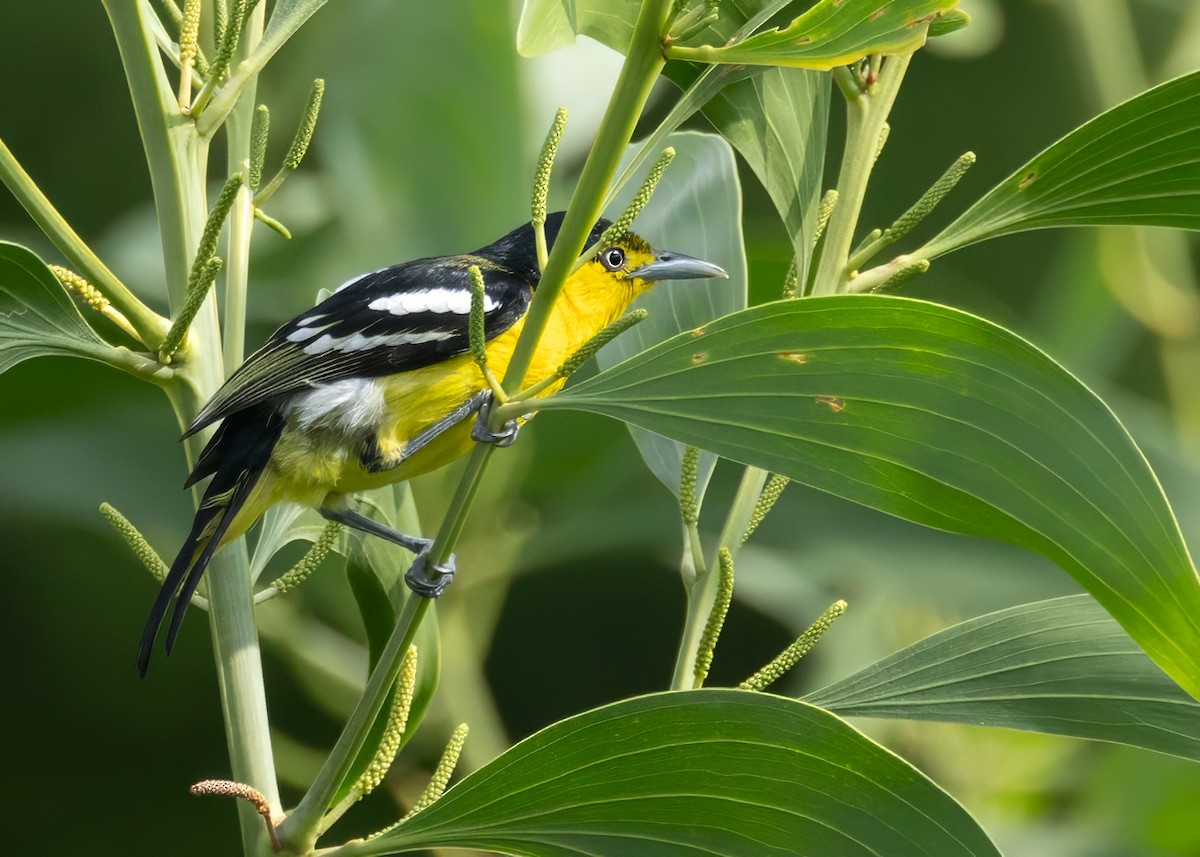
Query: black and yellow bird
[376,384]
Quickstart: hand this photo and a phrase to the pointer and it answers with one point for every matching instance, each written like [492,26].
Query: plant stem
[241,216]
[703,593]
[149,325]
[177,158]
[865,118]
[300,829]
[638,74]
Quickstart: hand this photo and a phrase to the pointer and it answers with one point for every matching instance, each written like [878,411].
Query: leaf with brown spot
[1137,164]
[831,34]
[956,424]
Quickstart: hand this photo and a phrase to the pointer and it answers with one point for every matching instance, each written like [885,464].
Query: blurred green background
[426,144]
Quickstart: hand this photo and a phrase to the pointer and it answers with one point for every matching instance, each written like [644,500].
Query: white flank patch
[438,301]
[351,405]
[361,342]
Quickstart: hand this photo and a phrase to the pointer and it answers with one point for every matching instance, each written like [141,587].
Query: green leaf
[1061,666]
[1136,164]
[777,120]
[933,415]
[287,16]
[375,570]
[832,33]
[550,25]
[283,524]
[715,772]
[37,316]
[696,209]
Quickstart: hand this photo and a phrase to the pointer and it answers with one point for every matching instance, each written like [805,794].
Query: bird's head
[629,261]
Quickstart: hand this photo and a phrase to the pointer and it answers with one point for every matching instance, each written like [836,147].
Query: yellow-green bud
[716,619]
[790,656]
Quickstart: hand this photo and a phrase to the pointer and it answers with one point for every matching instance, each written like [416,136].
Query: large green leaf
[37,316]
[933,415]
[1061,666]
[697,209]
[714,772]
[1136,164]
[832,33]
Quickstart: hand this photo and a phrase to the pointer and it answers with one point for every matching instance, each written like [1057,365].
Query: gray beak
[669,265]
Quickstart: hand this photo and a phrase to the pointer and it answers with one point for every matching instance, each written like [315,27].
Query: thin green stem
[241,217]
[703,593]
[150,326]
[866,117]
[642,66]
[177,158]
[300,829]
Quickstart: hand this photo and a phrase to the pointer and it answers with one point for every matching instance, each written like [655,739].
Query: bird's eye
[612,258]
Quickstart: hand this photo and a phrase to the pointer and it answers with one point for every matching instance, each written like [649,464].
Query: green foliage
[932,415]
[919,410]
[700,771]
[37,316]
[1134,164]
[1061,666]
[832,33]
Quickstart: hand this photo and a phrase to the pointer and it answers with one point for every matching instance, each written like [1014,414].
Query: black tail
[235,457]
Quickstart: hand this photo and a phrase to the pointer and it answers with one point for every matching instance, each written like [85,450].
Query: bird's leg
[482,433]
[427,584]
[373,460]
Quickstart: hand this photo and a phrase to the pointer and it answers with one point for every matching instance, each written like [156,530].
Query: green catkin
[204,269]
[146,555]
[689,477]
[824,212]
[198,287]
[478,332]
[260,130]
[622,224]
[791,280]
[308,124]
[790,656]
[397,722]
[766,500]
[930,199]
[312,558]
[545,165]
[207,247]
[441,775]
[902,276]
[716,619]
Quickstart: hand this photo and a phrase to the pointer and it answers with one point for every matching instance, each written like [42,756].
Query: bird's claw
[429,581]
[482,433]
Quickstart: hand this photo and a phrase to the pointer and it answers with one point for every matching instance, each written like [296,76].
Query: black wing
[393,320]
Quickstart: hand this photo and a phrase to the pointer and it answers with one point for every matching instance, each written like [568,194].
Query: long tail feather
[236,457]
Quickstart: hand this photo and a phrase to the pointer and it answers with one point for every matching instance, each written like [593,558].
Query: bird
[376,384]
